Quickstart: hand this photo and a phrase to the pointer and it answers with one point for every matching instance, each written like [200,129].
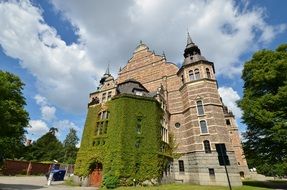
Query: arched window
[203,126]
[197,74]
[207,147]
[199,105]
[191,76]
[208,73]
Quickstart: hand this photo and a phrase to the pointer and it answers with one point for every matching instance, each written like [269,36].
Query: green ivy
[127,154]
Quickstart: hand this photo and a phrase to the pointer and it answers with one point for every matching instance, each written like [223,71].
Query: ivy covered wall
[132,142]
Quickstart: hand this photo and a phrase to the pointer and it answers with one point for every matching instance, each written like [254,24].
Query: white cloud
[64,73]
[37,129]
[222,30]
[63,127]
[110,30]
[48,112]
[229,98]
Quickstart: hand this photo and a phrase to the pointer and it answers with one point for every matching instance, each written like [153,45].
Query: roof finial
[141,42]
[189,40]
[163,54]
[108,69]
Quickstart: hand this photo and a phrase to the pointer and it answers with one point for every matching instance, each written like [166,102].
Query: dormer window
[138,93]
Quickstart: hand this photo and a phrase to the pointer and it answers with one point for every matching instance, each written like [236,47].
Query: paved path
[33,183]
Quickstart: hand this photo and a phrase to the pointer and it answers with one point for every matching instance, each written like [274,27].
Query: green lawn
[189,187]
[247,185]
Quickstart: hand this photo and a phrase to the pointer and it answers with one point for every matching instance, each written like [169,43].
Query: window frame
[181,166]
[198,106]
[196,74]
[207,146]
[200,121]
[208,73]
[191,75]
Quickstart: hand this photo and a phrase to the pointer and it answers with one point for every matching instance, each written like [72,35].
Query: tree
[46,148]
[70,146]
[13,116]
[53,130]
[264,106]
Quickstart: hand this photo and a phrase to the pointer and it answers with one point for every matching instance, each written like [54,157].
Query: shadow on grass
[19,186]
[267,184]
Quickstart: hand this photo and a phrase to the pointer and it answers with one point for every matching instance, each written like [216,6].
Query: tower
[201,133]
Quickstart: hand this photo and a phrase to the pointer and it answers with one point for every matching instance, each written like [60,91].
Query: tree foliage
[46,148]
[265,110]
[70,146]
[13,116]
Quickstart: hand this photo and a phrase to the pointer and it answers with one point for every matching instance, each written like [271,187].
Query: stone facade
[194,113]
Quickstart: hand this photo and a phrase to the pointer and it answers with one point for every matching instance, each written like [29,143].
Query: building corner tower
[201,133]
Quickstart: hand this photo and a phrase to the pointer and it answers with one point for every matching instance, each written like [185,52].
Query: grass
[189,187]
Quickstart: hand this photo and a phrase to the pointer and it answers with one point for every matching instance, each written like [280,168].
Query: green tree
[13,116]
[264,106]
[46,148]
[70,146]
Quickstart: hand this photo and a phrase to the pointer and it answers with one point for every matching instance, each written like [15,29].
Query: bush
[110,181]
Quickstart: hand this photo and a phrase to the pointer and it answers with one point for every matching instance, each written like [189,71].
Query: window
[208,73]
[139,125]
[109,95]
[211,171]
[97,131]
[104,115]
[199,105]
[101,128]
[138,93]
[207,147]
[103,97]
[227,122]
[181,165]
[203,126]
[197,74]
[106,127]
[191,76]
[177,125]
[182,79]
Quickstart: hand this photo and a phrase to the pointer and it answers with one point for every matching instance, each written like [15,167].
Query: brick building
[204,129]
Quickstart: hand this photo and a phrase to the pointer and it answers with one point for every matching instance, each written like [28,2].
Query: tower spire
[189,40]
[108,70]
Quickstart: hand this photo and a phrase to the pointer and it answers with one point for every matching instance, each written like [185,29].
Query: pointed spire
[189,40]
[163,54]
[108,70]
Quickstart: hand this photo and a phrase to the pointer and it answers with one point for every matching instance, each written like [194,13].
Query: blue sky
[60,50]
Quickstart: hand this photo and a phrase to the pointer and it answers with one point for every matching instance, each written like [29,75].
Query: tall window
[103,97]
[109,95]
[199,106]
[191,76]
[203,126]
[181,165]
[208,73]
[139,125]
[207,147]
[197,74]
[227,122]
